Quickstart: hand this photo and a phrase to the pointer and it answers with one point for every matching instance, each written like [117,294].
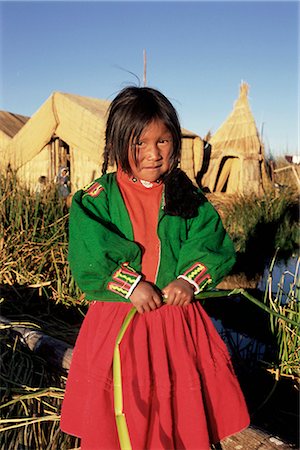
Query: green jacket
[106,262]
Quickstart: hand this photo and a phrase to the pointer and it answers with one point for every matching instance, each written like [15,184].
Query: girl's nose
[153,153]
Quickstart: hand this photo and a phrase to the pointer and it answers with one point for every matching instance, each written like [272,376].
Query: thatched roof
[73,118]
[188,134]
[11,123]
[239,131]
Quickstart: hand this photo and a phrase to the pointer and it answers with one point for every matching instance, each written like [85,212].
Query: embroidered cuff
[93,189]
[197,275]
[125,279]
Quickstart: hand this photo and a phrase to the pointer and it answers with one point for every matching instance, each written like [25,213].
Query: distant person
[41,185]
[63,183]
[145,238]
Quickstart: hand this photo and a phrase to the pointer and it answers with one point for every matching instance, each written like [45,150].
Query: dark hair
[129,113]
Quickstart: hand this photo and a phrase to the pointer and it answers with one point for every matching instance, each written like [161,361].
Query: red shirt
[143,200]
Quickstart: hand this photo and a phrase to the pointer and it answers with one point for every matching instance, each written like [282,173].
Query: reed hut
[191,153]
[68,131]
[234,157]
[10,124]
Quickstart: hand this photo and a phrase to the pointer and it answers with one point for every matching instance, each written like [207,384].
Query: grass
[249,217]
[34,241]
[285,174]
[285,324]
[31,397]
[260,225]
[37,286]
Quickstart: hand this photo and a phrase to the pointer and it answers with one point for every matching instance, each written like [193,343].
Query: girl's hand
[178,293]
[145,297]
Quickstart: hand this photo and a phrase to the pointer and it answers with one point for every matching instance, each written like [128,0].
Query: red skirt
[179,387]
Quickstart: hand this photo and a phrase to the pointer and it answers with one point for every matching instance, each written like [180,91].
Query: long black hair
[129,113]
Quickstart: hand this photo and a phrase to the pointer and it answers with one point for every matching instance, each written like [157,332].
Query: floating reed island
[39,295]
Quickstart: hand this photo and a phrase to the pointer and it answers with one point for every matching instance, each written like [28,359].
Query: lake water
[285,276]
[243,334]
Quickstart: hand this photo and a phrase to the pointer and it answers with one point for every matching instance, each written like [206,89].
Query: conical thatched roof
[235,161]
[239,129]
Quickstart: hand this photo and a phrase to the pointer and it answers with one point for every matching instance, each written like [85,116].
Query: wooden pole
[145,68]
[292,169]
[54,351]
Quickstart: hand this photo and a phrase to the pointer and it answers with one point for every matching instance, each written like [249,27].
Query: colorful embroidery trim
[124,280]
[117,289]
[93,189]
[197,273]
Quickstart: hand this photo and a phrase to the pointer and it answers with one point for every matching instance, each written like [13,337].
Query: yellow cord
[122,428]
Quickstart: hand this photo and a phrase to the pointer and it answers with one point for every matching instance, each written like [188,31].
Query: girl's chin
[151,175]
[150,180]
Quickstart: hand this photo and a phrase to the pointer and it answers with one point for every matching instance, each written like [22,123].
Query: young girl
[144,236]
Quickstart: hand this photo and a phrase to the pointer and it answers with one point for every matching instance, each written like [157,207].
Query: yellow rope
[123,434]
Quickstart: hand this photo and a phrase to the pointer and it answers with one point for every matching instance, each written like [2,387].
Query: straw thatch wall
[235,156]
[191,154]
[68,130]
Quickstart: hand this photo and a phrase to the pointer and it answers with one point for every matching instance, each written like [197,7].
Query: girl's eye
[163,141]
[137,144]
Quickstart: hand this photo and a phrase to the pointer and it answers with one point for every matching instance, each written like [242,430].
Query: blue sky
[197,54]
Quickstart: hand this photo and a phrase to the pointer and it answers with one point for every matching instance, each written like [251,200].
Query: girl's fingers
[157,300]
[140,309]
[172,300]
[180,301]
[165,296]
[184,302]
[169,297]
[177,300]
[146,307]
[152,305]
[177,297]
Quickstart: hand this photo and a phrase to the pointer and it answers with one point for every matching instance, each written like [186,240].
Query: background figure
[63,183]
[41,185]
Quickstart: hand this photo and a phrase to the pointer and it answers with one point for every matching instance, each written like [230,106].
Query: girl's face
[153,151]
